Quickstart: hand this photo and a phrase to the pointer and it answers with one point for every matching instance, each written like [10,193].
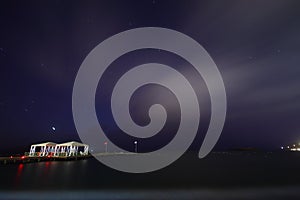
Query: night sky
[255,44]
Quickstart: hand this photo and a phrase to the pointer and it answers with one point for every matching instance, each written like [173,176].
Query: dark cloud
[255,44]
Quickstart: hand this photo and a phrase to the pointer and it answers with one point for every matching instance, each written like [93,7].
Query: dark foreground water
[235,175]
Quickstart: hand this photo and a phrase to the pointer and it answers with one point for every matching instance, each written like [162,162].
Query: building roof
[72,143]
[45,144]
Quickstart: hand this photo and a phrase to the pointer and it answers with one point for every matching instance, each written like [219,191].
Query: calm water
[218,174]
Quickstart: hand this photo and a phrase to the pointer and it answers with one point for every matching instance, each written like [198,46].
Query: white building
[43,149]
[71,149]
[57,150]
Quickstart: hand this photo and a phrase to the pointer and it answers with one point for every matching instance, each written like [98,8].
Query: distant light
[294,145]
[22,157]
[53,128]
[288,147]
[11,157]
[105,143]
[281,147]
[135,142]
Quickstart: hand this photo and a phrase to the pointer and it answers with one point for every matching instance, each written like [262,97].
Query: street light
[135,146]
[105,143]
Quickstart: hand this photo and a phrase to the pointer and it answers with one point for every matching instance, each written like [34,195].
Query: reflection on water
[18,174]
[43,174]
[220,171]
[20,169]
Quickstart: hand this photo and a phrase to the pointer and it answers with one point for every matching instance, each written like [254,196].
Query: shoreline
[17,158]
[28,159]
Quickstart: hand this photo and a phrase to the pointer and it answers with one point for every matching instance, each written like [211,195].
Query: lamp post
[135,146]
[105,143]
